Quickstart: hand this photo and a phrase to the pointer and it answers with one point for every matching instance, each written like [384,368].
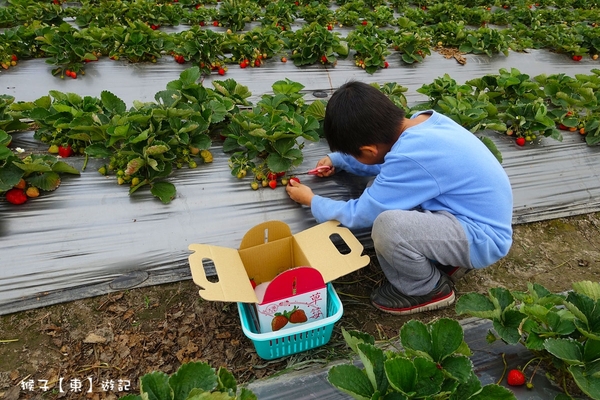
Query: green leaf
[429,377]
[489,143]
[501,297]
[446,336]
[401,374]
[373,359]
[495,392]
[568,350]
[316,109]
[192,375]
[415,337]
[63,167]
[588,288]
[459,367]
[588,384]
[33,167]
[467,389]
[10,175]
[46,181]
[155,386]
[98,150]
[112,103]
[351,380]
[508,327]
[189,76]
[353,338]
[477,305]
[165,191]
[226,380]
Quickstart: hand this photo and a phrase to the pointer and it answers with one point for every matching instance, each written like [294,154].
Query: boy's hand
[326,161]
[299,193]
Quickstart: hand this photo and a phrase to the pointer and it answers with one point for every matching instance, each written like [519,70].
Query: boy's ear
[370,150]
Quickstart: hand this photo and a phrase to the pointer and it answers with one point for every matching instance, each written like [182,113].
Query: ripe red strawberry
[13,57]
[221,71]
[257,63]
[298,317]
[521,141]
[386,64]
[243,64]
[198,6]
[16,196]
[273,184]
[515,378]
[365,22]
[215,23]
[577,58]
[278,322]
[271,176]
[329,27]
[65,151]
[294,178]
[323,59]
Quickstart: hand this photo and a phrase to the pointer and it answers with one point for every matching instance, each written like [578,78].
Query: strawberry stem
[504,371]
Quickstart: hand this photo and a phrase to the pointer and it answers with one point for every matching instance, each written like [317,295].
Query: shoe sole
[431,306]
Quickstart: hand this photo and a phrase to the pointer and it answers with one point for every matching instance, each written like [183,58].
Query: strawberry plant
[349,14]
[451,33]
[371,47]
[528,120]
[395,93]
[317,13]
[191,380]
[202,47]
[280,14]
[433,363]
[314,43]
[562,331]
[200,16]
[410,41]
[65,48]
[235,14]
[485,40]
[252,47]
[382,15]
[269,138]
[137,42]
[11,115]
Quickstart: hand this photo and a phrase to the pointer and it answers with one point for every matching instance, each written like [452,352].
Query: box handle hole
[209,270]
[340,244]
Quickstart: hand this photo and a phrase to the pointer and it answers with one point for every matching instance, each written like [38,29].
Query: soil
[117,338]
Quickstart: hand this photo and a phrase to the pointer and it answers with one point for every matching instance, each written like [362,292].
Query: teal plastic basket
[292,340]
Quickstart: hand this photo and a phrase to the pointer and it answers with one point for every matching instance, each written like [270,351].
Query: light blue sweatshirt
[435,165]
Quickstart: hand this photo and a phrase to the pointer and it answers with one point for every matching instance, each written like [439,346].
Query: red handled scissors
[316,171]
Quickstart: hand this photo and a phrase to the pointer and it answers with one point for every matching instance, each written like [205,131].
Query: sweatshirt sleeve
[401,185]
[348,163]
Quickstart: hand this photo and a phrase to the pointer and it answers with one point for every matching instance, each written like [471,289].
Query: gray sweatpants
[406,242]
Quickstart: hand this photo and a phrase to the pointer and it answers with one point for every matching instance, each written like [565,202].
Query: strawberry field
[131,129]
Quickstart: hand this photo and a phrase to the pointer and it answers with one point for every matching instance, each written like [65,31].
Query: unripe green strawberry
[135,181]
[254,185]
[53,149]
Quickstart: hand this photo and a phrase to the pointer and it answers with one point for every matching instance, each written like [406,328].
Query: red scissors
[316,171]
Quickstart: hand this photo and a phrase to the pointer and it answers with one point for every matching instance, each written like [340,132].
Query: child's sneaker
[455,273]
[388,299]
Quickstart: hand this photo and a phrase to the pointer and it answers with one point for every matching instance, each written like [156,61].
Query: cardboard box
[269,249]
[296,296]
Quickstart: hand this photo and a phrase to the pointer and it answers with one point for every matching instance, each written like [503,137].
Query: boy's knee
[381,226]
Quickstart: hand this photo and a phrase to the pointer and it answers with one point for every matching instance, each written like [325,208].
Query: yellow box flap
[233,284]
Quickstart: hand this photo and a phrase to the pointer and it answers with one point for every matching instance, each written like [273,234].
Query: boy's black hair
[359,114]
